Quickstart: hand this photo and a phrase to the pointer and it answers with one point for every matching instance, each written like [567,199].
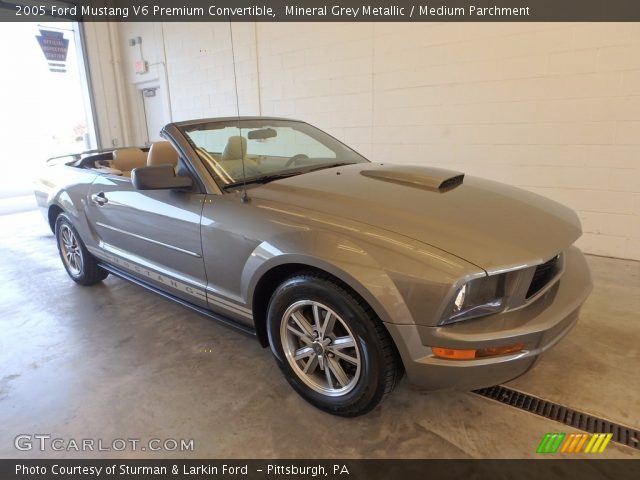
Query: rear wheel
[81,266]
[330,345]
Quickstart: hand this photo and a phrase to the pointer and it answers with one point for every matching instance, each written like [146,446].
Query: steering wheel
[295,158]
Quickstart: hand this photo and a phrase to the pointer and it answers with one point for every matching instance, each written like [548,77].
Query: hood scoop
[434,179]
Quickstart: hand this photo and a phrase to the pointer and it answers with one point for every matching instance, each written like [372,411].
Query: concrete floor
[115,361]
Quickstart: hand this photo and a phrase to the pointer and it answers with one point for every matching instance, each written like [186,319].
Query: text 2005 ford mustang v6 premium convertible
[350,271]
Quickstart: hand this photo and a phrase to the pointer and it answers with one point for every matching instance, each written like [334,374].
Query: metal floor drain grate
[559,413]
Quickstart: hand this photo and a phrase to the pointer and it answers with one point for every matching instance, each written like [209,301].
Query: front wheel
[330,345]
[81,266]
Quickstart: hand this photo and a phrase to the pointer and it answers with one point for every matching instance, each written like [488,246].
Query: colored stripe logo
[574,443]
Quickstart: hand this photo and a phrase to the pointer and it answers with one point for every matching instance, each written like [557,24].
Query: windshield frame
[249,123]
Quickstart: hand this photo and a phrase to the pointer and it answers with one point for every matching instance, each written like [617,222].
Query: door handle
[99,198]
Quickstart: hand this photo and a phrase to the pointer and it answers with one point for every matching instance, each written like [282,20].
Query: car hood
[492,225]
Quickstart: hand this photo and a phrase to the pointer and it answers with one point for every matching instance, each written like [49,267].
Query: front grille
[543,275]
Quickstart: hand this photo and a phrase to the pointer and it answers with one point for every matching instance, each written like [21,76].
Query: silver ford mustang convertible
[352,272]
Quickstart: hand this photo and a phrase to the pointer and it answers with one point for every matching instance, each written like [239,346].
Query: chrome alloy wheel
[320,348]
[70,248]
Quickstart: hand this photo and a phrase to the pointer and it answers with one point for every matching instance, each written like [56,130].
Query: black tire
[379,368]
[84,271]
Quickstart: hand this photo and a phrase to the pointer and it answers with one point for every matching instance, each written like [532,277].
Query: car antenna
[245,197]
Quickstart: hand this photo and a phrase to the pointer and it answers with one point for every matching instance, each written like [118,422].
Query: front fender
[403,281]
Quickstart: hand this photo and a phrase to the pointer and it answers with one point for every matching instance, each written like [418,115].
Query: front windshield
[265,149]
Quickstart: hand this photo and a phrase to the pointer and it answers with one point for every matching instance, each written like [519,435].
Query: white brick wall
[553,108]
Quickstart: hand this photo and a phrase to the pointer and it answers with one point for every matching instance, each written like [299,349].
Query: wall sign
[55,48]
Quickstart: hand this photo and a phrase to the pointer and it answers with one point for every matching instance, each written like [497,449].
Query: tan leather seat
[162,153]
[236,149]
[126,159]
[234,158]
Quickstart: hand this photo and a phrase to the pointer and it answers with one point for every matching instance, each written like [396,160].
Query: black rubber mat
[553,411]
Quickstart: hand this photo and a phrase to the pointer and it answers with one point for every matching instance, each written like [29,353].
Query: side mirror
[158,177]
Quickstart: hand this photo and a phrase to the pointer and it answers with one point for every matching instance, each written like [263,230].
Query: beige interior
[236,148]
[162,153]
[234,157]
[126,159]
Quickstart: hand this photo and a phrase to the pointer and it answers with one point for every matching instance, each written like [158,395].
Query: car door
[230,235]
[152,234]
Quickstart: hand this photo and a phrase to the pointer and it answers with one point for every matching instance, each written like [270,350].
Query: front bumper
[539,326]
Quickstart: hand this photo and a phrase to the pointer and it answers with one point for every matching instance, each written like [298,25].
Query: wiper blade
[278,176]
[329,165]
[263,179]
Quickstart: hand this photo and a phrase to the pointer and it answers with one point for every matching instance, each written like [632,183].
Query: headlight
[476,298]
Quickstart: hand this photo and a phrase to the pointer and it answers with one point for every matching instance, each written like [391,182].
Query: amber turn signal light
[451,354]
[456,354]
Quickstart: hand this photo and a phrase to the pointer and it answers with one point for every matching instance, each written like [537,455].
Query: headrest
[236,148]
[126,159]
[162,153]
